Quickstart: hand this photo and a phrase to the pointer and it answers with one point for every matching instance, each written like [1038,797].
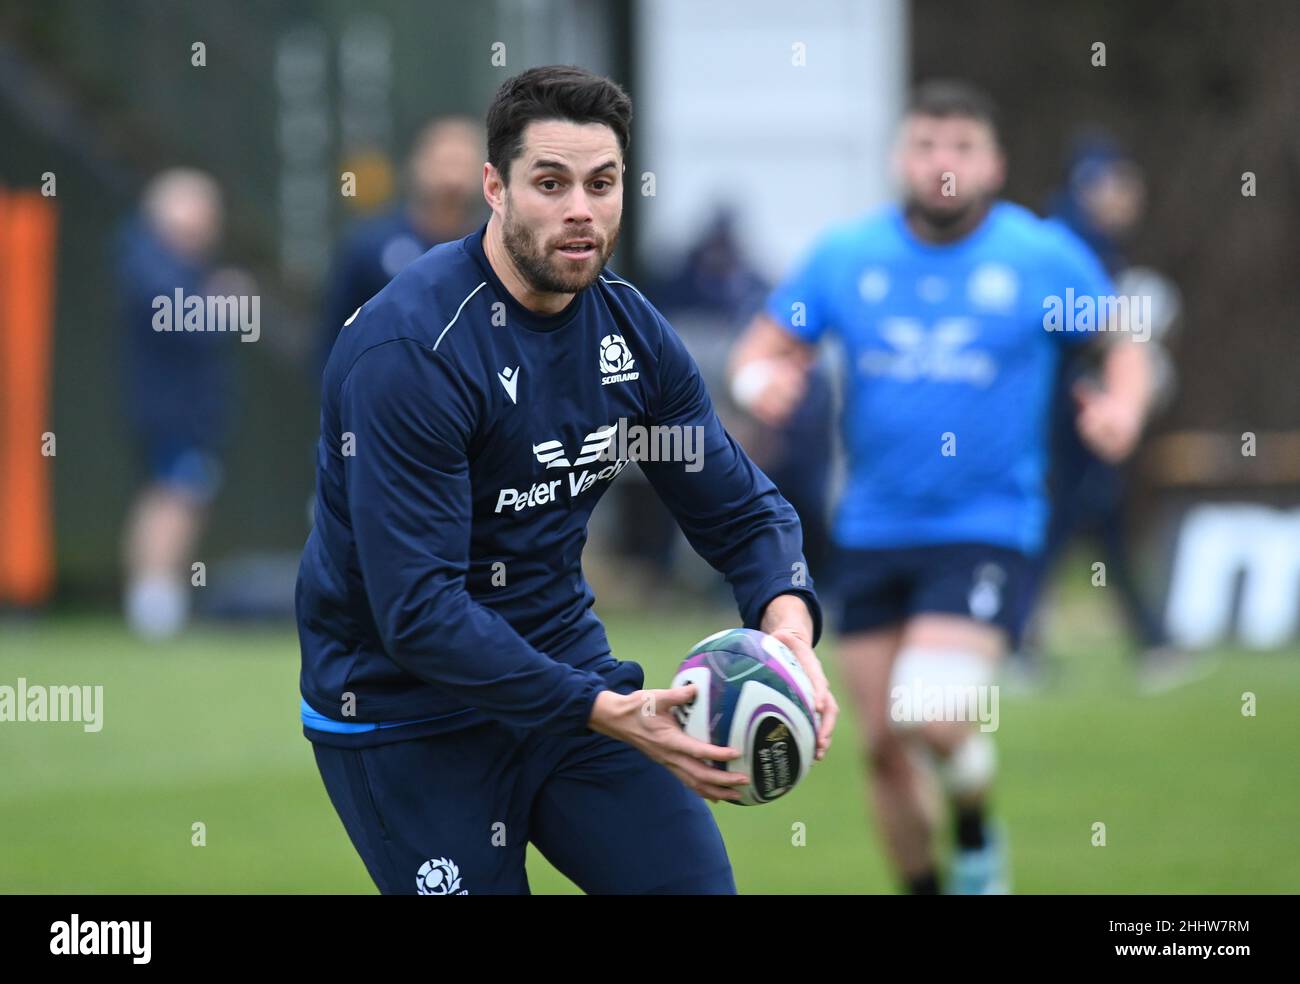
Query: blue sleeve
[799,304]
[408,492]
[731,513]
[1072,265]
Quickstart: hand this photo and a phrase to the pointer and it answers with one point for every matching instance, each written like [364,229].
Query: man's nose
[577,207]
[944,163]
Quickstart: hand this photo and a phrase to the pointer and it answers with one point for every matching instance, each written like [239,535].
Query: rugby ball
[754,696]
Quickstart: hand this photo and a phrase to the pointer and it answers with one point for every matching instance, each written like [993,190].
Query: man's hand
[770,389]
[787,618]
[1110,425]
[645,721]
[768,371]
[1111,415]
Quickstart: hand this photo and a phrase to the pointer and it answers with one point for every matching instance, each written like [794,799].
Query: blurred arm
[768,370]
[731,513]
[1111,418]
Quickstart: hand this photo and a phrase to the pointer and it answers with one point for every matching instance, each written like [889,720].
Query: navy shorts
[451,814]
[883,587]
[185,468]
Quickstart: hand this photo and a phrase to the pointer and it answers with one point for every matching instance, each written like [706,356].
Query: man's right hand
[644,720]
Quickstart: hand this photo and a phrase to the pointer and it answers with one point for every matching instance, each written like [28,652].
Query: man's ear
[493,187]
[1001,172]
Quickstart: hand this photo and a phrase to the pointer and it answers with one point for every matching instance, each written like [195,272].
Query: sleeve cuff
[781,586]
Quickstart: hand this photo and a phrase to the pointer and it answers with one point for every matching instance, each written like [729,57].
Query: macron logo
[510,380]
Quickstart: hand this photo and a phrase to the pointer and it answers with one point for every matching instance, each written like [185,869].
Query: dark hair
[944,98]
[552,92]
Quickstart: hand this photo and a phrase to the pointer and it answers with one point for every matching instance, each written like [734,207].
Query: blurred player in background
[718,278]
[940,306]
[443,201]
[1103,202]
[710,296]
[176,390]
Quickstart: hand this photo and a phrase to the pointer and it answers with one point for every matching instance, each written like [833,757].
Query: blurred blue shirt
[374,253]
[945,349]
[177,383]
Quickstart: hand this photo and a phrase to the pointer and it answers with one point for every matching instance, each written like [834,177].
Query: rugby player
[943,306]
[458,690]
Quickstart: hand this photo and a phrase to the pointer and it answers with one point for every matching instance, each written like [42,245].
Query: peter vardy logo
[552,454]
[619,443]
[616,361]
[76,938]
[439,876]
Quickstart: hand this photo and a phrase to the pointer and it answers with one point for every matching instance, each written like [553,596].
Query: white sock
[157,606]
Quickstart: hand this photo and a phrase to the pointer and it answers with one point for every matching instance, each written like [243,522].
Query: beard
[947,219]
[944,218]
[543,270]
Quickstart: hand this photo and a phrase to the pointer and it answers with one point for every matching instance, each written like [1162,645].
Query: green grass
[1195,796]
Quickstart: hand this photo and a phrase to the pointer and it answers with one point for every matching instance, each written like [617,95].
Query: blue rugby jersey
[949,368]
[464,442]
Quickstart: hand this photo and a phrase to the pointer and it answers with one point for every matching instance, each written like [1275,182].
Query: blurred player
[940,306]
[1103,202]
[176,392]
[443,201]
[458,689]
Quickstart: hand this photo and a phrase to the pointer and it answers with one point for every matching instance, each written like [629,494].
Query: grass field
[1196,797]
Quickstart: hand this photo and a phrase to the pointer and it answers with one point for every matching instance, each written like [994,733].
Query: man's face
[948,165]
[189,221]
[445,181]
[561,211]
[1114,198]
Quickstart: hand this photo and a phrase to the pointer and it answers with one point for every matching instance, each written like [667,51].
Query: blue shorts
[883,587]
[185,468]
[452,813]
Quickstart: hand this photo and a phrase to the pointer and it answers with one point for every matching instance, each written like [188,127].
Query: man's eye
[600,184]
[549,184]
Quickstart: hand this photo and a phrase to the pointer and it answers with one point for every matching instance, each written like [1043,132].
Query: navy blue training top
[464,442]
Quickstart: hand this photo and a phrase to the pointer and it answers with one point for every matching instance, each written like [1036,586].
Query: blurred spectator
[1104,198]
[1103,202]
[796,456]
[444,201]
[716,283]
[715,277]
[177,393]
